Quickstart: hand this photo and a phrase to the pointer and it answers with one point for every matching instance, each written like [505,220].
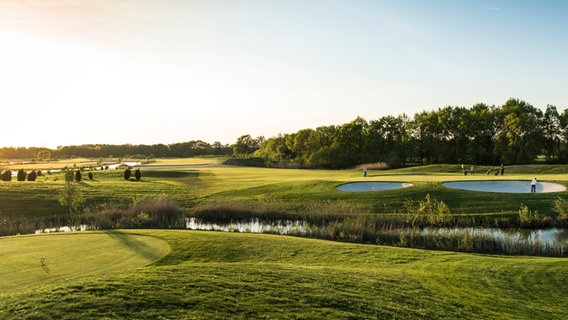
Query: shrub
[78,175]
[144,213]
[91,177]
[32,176]
[71,197]
[137,174]
[7,175]
[560,207]
[430,211]
[21,176]
[127,174]
[69,176]
[526,216]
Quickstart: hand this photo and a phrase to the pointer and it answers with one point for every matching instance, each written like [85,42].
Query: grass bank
[209,275]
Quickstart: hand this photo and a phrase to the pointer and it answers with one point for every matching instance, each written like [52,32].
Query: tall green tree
[247,145]
[563,152]
[521,134]
[423,136]
[349,141]
[387,138]
[551,129]
[481,127]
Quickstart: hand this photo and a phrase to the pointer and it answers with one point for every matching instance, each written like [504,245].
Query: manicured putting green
[33,260]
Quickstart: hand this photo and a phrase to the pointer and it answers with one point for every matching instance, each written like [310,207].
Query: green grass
[71,256]
[209,275]
[169,274]
[302,186]
[292,190]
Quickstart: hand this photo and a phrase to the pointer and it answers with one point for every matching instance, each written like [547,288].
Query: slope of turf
[36,260]
[211,275]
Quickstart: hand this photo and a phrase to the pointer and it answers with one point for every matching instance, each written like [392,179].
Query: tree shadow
[137,246]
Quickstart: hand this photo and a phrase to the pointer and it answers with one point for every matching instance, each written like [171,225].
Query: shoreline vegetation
[223,195]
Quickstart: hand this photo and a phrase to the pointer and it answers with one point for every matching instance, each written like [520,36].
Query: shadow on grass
[129,240]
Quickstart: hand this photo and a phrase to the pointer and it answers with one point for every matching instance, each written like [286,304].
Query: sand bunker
[372,186]
[506,186]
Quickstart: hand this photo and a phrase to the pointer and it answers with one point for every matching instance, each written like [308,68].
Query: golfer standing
[533,185]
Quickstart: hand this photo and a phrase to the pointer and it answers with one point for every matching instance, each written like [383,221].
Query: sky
[76,72]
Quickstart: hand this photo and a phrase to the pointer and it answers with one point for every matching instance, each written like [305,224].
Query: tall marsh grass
[156,213]
[267,210]
[417,226]
[159,212]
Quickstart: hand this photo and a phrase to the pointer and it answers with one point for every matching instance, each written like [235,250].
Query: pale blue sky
[156,71]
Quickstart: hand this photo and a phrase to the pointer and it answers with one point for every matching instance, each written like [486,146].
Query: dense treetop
[514,133]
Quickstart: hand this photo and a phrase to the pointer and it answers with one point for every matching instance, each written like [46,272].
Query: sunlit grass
[186,161]
[33,261]
[210,275]
[193,186]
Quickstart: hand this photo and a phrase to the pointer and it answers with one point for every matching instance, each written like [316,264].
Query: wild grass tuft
[160,212]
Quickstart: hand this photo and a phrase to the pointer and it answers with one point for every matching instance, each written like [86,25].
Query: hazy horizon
[148,72]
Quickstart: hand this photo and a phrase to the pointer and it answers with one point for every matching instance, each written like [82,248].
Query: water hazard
[552,241]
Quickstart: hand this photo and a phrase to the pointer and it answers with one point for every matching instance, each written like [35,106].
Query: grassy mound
[210,275]
[34,261]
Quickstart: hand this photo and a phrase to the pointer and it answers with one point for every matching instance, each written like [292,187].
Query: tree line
[184,149]
[514,133]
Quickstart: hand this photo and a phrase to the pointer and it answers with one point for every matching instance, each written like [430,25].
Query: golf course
[145,265]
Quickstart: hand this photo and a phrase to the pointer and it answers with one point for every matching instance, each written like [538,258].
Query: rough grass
[211,275]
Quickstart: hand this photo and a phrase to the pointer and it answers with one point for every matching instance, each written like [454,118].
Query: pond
[550,242]
[536,240]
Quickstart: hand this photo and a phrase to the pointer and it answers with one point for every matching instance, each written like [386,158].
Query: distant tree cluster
[514,133]
[184,149]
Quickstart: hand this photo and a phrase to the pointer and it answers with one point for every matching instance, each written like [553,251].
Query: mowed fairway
[68,256]
[214,275]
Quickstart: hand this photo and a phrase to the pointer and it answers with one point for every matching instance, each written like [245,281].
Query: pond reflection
[545,237]
[544,242]
[501,239]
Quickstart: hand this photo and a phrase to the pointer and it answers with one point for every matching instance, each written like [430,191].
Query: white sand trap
[372,186]
[506,186]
